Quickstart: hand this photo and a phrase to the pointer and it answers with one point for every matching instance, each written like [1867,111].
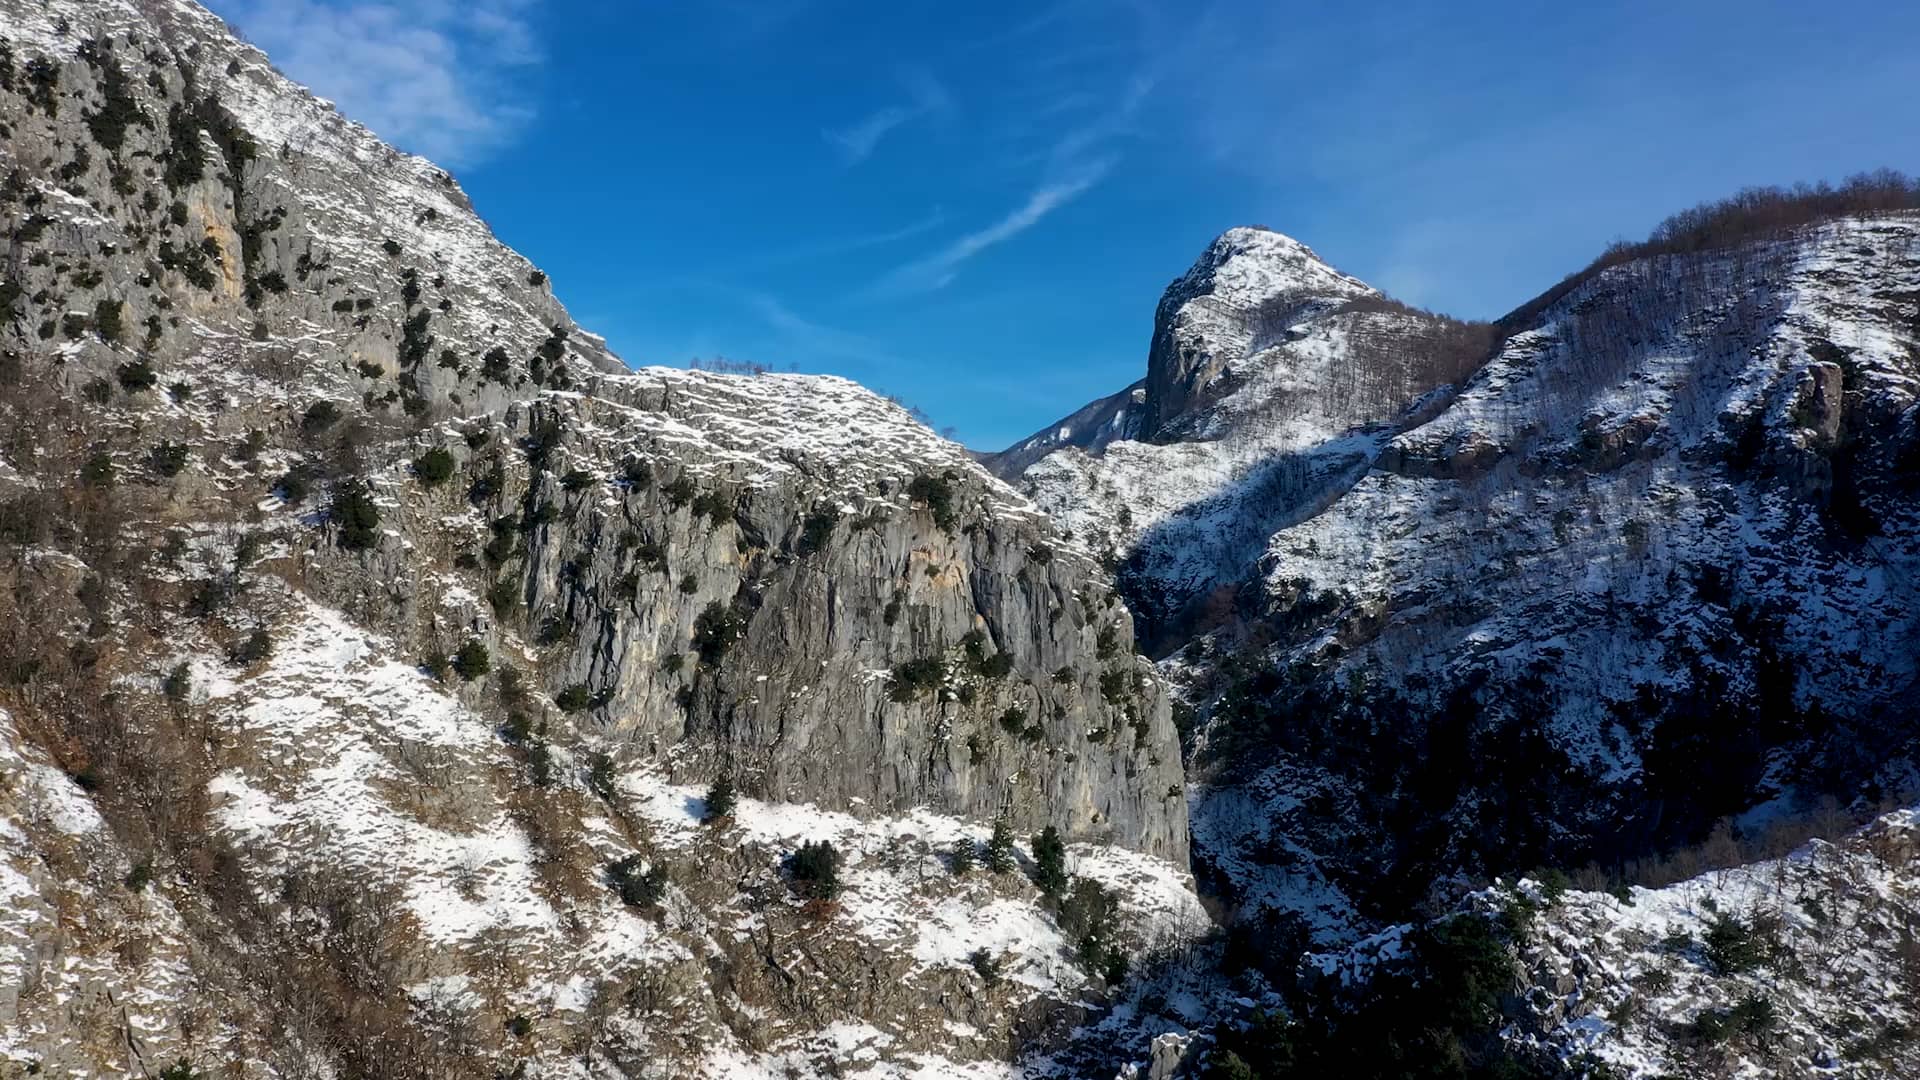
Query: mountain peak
[1250,265]
[1249,281]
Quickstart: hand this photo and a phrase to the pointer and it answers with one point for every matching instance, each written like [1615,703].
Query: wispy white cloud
[435,77]
[927,96]
[836,247]
[1117,121]
[813,340]
[937,270]
[858,141]
[1074,160]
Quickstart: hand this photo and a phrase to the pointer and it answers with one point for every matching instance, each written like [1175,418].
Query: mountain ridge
[1457,439]
[375,640]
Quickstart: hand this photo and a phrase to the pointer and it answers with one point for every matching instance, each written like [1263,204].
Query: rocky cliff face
[372,636]
[738,573]
[1247,291]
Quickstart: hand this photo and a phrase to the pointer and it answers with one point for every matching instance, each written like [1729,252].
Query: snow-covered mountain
[372,640]
[1624,584]
[1658,551]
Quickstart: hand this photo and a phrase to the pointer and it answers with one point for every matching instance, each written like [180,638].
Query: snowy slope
[1386,575]
[76,943]
[1637,982]
[1573,477]
[351,780]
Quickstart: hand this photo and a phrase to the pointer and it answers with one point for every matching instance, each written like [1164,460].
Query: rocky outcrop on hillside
[373,636]
[739,575]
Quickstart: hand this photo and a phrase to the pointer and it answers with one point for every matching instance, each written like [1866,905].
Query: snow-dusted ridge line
[349,194]
[786,422]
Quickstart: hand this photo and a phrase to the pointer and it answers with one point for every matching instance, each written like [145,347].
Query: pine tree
[1050,859]
[1233,1067]
[816,870]
[178,684]
[964,856]
[354,511]
[1000,846]
[720,799]
[600,775]
[637,888]
[434,467]
[472,660]
[257,647]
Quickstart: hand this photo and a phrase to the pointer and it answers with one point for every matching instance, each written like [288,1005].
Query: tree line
[1752,213]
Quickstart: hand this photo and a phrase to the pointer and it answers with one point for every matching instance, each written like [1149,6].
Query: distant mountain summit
[1271,376]
[1251,287]
[1248,281]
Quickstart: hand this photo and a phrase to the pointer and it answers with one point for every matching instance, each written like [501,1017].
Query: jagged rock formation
[370,632]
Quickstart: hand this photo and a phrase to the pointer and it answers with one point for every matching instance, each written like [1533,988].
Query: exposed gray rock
[282,419]
[833,577]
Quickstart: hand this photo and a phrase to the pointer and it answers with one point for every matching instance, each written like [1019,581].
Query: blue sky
[975,206]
